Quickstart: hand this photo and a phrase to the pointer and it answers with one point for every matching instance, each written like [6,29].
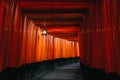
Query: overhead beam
[40,24]
[56,15]
[55,11]
[56,19]
[64,34]
[36,4]
[59,0]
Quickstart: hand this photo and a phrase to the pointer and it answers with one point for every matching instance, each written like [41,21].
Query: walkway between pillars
[67,72]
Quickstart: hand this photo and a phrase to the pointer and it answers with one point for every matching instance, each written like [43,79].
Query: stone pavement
[67,72]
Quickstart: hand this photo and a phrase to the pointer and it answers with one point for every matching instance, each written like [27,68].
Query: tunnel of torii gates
[98,42]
